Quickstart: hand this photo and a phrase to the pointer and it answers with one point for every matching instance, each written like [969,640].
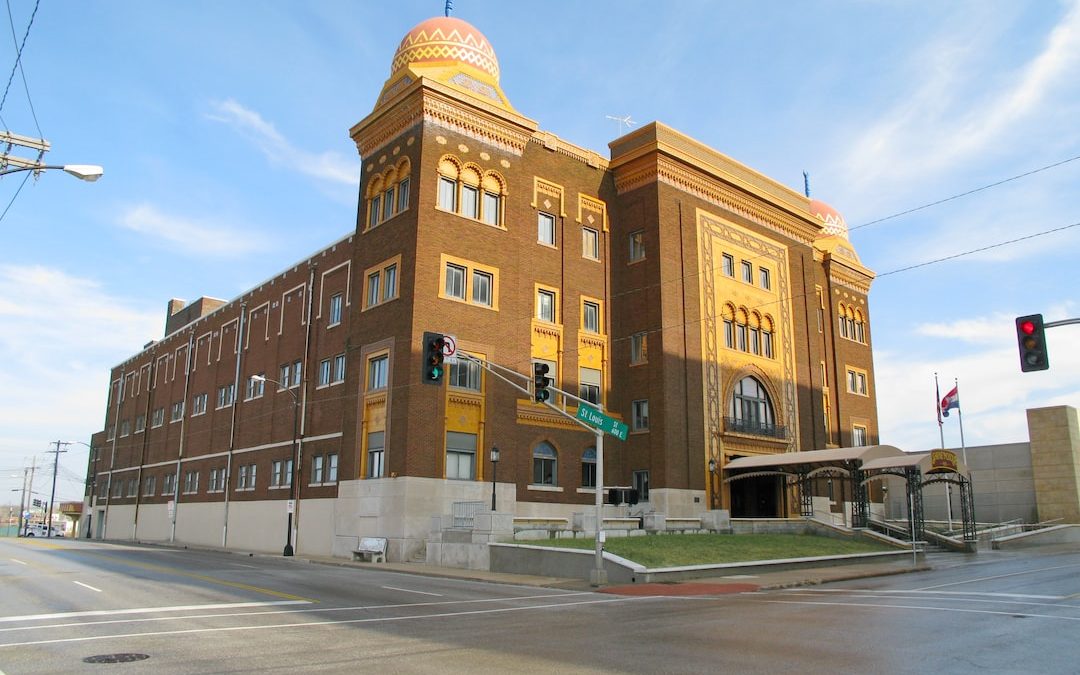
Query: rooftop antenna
[622,121]
[806,183]
[449,7]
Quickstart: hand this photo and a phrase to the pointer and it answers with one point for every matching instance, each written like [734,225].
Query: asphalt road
[64,601]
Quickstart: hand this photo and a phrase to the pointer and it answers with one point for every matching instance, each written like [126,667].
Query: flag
[937,401]
[951,400]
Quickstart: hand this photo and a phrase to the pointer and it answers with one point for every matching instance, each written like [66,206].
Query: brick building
[717,312]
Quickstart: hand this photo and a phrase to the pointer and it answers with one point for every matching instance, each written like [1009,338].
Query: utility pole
[52,495]
[22,500]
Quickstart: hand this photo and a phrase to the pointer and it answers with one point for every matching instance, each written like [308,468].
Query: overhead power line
[965,194]
[18,54]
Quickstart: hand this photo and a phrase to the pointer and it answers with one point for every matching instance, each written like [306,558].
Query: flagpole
[941,434]
[960,419]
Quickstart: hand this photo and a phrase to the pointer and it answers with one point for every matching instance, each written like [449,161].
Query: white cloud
[994,394]
[948,118]
[61,336]
[329,166]
[195,236]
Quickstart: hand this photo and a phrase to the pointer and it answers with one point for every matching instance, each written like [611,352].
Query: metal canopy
[863,453]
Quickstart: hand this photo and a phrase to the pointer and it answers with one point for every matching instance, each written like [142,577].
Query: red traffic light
[1027,327]
[1031,340]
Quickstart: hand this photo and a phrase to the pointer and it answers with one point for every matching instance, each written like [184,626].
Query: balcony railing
[754,427]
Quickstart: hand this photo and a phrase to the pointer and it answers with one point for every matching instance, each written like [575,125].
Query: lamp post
[288,551]
[52,495]
[494,466]
[712,483]
[86,172]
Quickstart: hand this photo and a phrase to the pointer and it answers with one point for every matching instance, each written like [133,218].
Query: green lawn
[674,550]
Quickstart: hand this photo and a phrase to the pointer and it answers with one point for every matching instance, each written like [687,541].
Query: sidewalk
[720,585]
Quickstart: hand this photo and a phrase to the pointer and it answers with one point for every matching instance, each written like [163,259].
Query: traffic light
[36,503]
[433,358]
[1031,339]
[541,382]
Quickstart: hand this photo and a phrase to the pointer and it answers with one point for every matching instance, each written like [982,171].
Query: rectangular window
[339,368]
[225,395]
[373,289]
[590,317]
[447,194]
[377,372]
[767,344]
[740,337]
[255,388]
[460,455]
[168,486]
[157,418]
[820,309]
[747,272]
[388,203]
[390,282]
[335,309]
[281,473]
[856,381]
[140,423]
[373,211]
[637,246]
[545,305]
[125,428]
[729,265]
[481,290]
[492,208]
[296,366]
[470,202]
[858,436]
[764,278]
[133,487]
[455,281]
[317,469]
[639,348]
[283,376]
[217,481]
[639,416]
[149,486]
[464,374]
[110,432]
[545,228]
[331,468]
[191,482]
[198,405]
[324,372]
[376,454]
[590,243]
[729,333]
[588,469]
[242,477]
[589,382]
[403,195]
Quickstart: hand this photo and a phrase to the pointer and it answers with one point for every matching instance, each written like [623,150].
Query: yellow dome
[443,41]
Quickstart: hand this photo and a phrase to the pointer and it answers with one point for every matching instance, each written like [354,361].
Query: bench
[372,549]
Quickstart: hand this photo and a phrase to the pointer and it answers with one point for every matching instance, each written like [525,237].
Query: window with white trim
[639,415]
[460,455]
[334,314]
[545,228]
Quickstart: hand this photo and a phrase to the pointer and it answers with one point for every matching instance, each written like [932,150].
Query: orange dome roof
[833,222]
[442,40]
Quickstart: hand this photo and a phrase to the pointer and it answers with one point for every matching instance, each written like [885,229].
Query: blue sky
[223,130]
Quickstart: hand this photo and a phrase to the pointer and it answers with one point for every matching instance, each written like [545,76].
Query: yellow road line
[200,577]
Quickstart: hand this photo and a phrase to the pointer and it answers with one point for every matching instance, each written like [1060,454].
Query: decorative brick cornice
[662,169]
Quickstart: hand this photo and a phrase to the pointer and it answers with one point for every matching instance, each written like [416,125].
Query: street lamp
[494,466]
[712,483]
[288,551]
[86,172]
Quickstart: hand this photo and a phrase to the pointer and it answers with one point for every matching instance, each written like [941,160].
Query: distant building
[715,311]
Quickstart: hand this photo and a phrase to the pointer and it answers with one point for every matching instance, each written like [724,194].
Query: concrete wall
[1059,534]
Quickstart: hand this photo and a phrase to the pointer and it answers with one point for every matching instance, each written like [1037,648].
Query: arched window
[374,196]
[729,326]
[545,463]
[588,468]
[740,330]
[767,337]
[388,193]
[750,410]
[471,192]
[755,333]
[842,319]
[860,327]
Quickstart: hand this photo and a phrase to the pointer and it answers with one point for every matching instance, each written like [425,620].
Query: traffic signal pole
[598,576]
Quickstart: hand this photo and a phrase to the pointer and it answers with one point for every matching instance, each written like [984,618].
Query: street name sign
[599,420]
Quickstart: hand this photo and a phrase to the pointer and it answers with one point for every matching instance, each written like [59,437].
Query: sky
[223,131]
